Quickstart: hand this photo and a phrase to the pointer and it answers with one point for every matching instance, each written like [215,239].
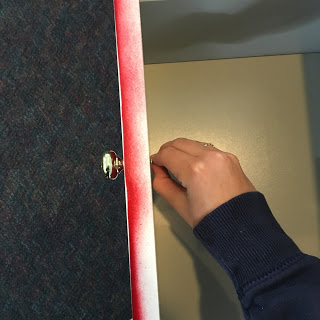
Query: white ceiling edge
[168,26]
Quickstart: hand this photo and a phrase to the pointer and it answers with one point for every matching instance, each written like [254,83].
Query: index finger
[176,161]
[192,147]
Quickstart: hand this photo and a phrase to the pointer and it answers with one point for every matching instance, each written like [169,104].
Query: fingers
[176,161]
[171,191]
[178,155]
[192,147]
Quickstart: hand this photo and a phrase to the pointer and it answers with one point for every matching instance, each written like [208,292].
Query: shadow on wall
[262,17]
[312,80]
[214,298]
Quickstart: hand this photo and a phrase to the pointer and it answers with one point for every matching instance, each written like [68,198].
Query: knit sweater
[272,277]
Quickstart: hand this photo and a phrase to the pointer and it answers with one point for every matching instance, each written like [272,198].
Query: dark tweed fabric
[63,231]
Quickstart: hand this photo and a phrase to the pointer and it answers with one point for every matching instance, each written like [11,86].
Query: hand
[209,177]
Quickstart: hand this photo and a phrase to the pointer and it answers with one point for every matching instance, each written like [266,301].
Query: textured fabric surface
[247,221]
[63,231]
[273,278]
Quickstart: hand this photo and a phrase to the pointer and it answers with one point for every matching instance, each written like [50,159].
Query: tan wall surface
[255,108]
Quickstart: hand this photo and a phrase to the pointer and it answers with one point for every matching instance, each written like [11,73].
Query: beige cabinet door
[259,109]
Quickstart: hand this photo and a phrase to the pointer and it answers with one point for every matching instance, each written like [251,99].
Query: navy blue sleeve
[272,277]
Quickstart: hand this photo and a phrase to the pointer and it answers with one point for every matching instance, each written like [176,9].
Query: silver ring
[208,144]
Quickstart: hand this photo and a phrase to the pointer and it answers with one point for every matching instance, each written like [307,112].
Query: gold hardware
[111,165]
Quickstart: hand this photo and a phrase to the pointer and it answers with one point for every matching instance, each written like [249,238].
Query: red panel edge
[135,152]
[122,36]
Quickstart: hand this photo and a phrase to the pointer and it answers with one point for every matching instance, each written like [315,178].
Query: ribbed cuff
[247,241]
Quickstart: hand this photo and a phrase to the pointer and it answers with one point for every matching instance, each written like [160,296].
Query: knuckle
[224,159]
[197,167]
[233,157]
[166,151]
[220,156]
[177,141]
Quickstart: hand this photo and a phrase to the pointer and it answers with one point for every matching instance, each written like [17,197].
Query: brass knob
[111,165]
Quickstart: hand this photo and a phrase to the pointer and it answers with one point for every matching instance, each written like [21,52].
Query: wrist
[245,238]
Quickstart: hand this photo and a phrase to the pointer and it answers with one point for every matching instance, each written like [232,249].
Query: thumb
[174,193]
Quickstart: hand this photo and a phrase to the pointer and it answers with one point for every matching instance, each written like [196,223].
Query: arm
[273,278]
